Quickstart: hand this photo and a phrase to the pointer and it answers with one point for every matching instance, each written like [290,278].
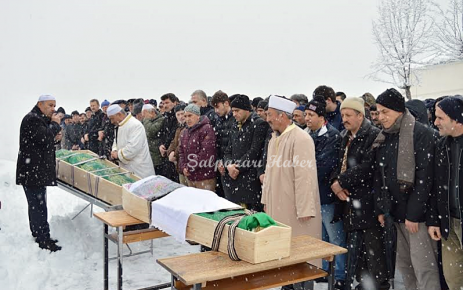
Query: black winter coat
[409,203]
[223,130]
[170,126]
[327,146]
[359,212]
[36,158]
[438,211]
[245,148]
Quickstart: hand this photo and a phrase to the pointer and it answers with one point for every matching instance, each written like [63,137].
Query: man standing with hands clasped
[36,166]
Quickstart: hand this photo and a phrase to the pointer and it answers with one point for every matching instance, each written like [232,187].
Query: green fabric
[94,165]
[259,219]
[248,223]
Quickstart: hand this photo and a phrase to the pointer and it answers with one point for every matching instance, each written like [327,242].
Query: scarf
[404,125]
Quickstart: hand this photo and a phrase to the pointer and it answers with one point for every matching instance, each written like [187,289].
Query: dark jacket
[263,161]
[153,128]
[73,135]
[210,113]
[95,124]
[409,203]
[197,151]
[245,149]
[327,145]
[438,211]
[335,119]
[36,157]
[223,130]
[108,140]
[170,126]
[359,212]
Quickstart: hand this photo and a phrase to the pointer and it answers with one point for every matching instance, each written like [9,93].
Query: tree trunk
[408,93]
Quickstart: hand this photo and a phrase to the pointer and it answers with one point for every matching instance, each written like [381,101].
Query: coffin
[91,183]
[264,245]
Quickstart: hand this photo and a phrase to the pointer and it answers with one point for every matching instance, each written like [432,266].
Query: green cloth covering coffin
[72,157]
[248,223]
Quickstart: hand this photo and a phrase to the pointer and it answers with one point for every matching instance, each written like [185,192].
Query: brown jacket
[173,147]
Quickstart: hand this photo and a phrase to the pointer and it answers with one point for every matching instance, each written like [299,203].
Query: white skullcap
[113,110]
[148,107]
[44,98]
[282,104]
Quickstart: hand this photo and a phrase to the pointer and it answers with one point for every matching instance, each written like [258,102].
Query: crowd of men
[379,176]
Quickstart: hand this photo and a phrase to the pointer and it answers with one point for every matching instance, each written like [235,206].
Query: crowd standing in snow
[379,176]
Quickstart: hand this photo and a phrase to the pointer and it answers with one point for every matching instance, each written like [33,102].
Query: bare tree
[449,32]
[403,34]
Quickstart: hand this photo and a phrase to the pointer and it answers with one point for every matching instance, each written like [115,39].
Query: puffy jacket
[197,151]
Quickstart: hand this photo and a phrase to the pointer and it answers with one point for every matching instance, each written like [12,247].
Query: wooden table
[120,219]
[215,270]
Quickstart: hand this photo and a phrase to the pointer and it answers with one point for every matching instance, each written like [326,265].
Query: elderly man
[446,210]
[36,166]
[405,158]
[290,190]
[130,146]
[197,150]
[352,182]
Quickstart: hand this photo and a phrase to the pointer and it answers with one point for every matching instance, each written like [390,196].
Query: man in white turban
[130,145]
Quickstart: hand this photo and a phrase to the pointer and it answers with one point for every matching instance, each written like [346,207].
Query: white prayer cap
[113,110]
[44,98]
[282,104]
[148,107]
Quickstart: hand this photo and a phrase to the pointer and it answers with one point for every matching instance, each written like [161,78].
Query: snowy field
[79,265]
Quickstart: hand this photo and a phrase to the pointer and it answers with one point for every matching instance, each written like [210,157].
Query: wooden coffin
[136,206]
[90,183]
[268,244]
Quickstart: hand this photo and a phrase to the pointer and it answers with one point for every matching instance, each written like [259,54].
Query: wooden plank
[211,266]
[117,218]
[140,235]
[266,279]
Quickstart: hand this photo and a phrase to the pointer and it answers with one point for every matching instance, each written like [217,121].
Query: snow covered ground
[79,265]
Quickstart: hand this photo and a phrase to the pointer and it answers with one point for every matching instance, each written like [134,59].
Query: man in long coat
[290,190]
[36,166]
[130,145]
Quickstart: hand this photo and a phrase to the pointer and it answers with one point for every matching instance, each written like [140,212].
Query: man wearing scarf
[404,157]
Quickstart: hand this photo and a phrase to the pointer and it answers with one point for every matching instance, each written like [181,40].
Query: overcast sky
[120,49]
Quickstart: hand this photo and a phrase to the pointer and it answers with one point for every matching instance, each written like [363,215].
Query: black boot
[49,245]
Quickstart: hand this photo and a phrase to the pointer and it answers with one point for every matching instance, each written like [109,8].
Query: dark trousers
[366,257]
[38,214]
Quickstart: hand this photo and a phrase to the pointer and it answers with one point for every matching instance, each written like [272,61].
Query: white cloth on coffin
[170,213]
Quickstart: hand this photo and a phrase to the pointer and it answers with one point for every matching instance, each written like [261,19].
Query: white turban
[113,110]
[282,104]
[44,98]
